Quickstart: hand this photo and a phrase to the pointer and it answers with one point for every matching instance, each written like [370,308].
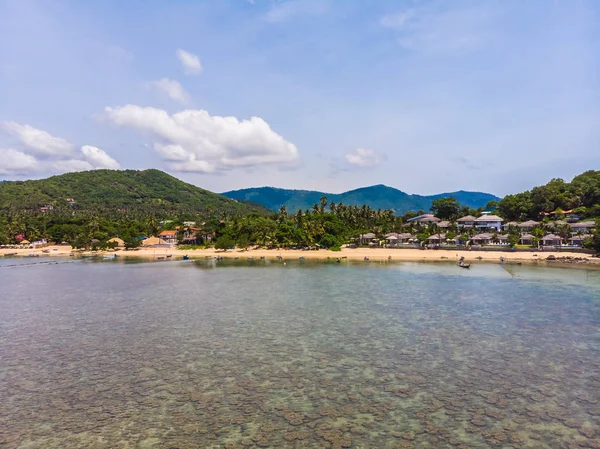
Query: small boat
[33,255]
[464,265]
[109,256]
[301,257]
[186,257]
[160,257]
[169,255]
[9,254]
[45,250]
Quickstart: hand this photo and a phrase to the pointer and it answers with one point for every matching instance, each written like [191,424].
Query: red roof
[166,233]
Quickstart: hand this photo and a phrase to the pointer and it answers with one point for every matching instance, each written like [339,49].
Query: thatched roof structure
[528,224]
[486,218]
[467,218]
[120,243]
[151,241]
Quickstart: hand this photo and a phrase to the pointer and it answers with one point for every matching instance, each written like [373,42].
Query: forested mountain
[124,190]
[376,197]
[582,195]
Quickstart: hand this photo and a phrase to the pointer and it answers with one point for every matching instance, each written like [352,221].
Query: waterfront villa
[436,239]
[551,240]
[482,239]
[526,239]
[489,222]
[579,240]
[168,236]
[506,226]
[583,226]
[366,239]
[527,225]
[466,222]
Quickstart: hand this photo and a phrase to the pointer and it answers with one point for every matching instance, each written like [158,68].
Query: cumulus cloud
[14,162]
[191,62]
[194,140]
[364,158]
[98,158]
[173,89]
[41,152]
[39,142]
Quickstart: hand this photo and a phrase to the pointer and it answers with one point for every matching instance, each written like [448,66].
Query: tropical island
[129,210]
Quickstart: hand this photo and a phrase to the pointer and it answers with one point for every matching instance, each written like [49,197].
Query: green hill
[377,197]
[148,190]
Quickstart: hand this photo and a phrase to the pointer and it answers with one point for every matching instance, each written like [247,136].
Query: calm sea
[184,354]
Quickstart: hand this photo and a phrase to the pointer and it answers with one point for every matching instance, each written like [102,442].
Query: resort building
[579,240]
[489,222]
[444,224]
[482,239]
[168,236]
[366,239]
[583,226]
[466,222]
[394,238]
[526,239]
[436,239]
[507,226]
[551,240]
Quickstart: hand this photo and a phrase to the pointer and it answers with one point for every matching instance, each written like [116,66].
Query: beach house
[424,219]
[582,226]
[169,236]
[526,239]
[527,225]
[366,239]
[482,239]
[551,240]
[466,222]
[489,222]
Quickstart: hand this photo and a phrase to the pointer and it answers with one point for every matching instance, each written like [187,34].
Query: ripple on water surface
[179,355]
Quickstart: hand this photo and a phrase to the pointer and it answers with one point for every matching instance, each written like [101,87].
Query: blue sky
[425,96]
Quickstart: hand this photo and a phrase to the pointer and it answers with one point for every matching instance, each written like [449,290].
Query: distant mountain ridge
[377,197]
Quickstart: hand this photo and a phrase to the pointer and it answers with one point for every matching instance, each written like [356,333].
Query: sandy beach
[373,254]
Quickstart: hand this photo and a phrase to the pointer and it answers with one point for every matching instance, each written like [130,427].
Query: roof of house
[483,236]
[511,223]
[436,237]
[502,236]
[583,224]
[580,238]
[368,235]
[551,237]
[526,237]
[528,224]
[425,218]
[467,218]
[167,233]
[487,218]
[391,237]
[444,224]
[405,235]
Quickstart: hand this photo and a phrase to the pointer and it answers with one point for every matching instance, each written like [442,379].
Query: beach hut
[365,239]
[526,239]
[391,240]
[436,239]
[153,241]
[120,243]
[482,239]
[405,237]
[551,240]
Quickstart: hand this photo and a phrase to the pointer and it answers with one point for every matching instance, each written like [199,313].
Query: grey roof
[580,238]
[368,235]
[436,237]
[483,236]
[391,237]
[551,237]
[405,235]
[583,224]
[502,236]
[443,224]
[489,218]
[467,218]
[528,224]
[511,223]
[526,237]
[425,218]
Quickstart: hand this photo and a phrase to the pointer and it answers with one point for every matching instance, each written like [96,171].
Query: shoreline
[354,254]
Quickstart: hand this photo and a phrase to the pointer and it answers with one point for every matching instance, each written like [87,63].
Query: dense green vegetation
[582,195]
[147,192]
[376,197]
[134,204]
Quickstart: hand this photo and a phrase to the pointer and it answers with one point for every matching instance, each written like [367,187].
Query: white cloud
[193,140]
[14,162]
[98,158]
[41,152]
[364,158]
[191,62]
[284,11]
[40,142]
[173,89]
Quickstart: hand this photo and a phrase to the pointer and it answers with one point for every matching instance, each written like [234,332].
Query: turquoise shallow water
[236,354]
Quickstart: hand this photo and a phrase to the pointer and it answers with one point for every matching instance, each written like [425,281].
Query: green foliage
[224,242]
[582,195]
[445,208]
